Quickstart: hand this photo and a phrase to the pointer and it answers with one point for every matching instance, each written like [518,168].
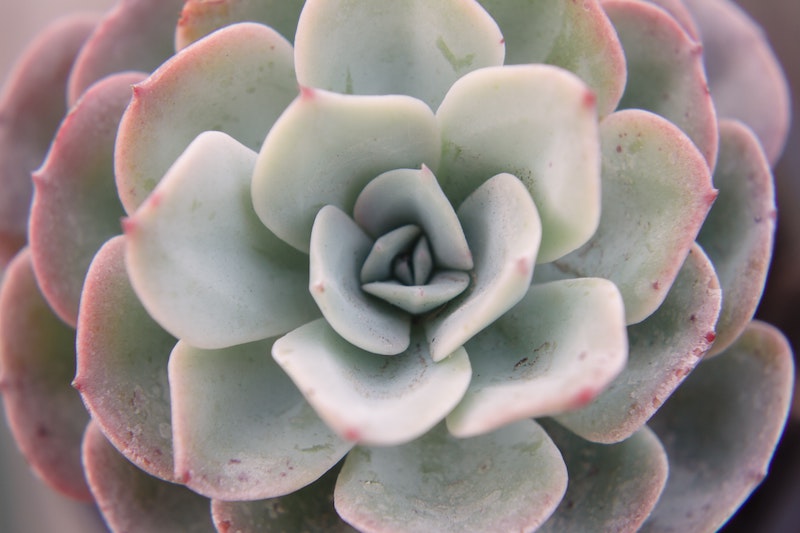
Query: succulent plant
[428,266]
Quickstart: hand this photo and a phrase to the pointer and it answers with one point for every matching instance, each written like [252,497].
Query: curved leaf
[656,194]
[122,365]
[37,358]
[554,351]
[242,429]
[416,47]
[237,80]
[202,263]
[538,123]
[720,429]
[508,480]
[369,398]
[326,147]
[75,205]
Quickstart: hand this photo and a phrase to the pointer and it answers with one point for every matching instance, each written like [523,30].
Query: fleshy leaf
[75,205]
[555,351]
[368,398]
[201,17]
[663,350]
[119,44]
[656,193]
[538,123]
[309,509]
[237,80]
[418,299]
[378,264]
[508,480]
[409,196]
[503,230]
[242,429]
[122,365]
[338,247]
[37,358]
[326,147]
[738,233]
[665,71]
[677,9]
[576,36]
[32,106]
[611,487]
[130,500]
[744,75]
[720,429]
[416,47]
[203,265]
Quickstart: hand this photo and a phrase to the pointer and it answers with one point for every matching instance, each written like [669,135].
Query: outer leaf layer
[122,365]
[656,194]
[75,206]
[202,263]
[31,107]
[237,80]
[242,430]
[416,47]
[538,123]
[37,357]
[720,429]
[132,501]
[664,349]
[509,480]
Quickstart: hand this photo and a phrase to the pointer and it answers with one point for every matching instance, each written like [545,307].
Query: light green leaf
[538,123]
[369,398]
[202,263]
[418,299]
[415,47]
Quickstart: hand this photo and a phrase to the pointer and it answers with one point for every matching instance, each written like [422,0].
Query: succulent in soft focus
[428,266]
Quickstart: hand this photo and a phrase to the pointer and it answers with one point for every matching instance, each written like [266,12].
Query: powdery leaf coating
[37,359]
[554,351]
[611,487]
[745,77]
[326,147]
[503,231]
[416,47]
[665,71]
[237,80]
[201,17]
[75,205]
[202,263]
[508,480]
[338,249]
[132,501]
[242,430]
[656,194]
[677,9]
[368,398]
[720,430]
[122,365]
[739,231]
[119,44]
[576,36]
[309,509]
[31,107]
[664,349]
[538,123]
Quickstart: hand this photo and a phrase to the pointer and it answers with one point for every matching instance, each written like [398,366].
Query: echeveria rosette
[515,201]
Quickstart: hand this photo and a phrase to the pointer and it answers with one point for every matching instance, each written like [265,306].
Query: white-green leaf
[418,299]
[508,480]
[554,351]
[202,263]
[326,147]
[369,398]
[241,428]
[503,231]
[538,123]
[414,47]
